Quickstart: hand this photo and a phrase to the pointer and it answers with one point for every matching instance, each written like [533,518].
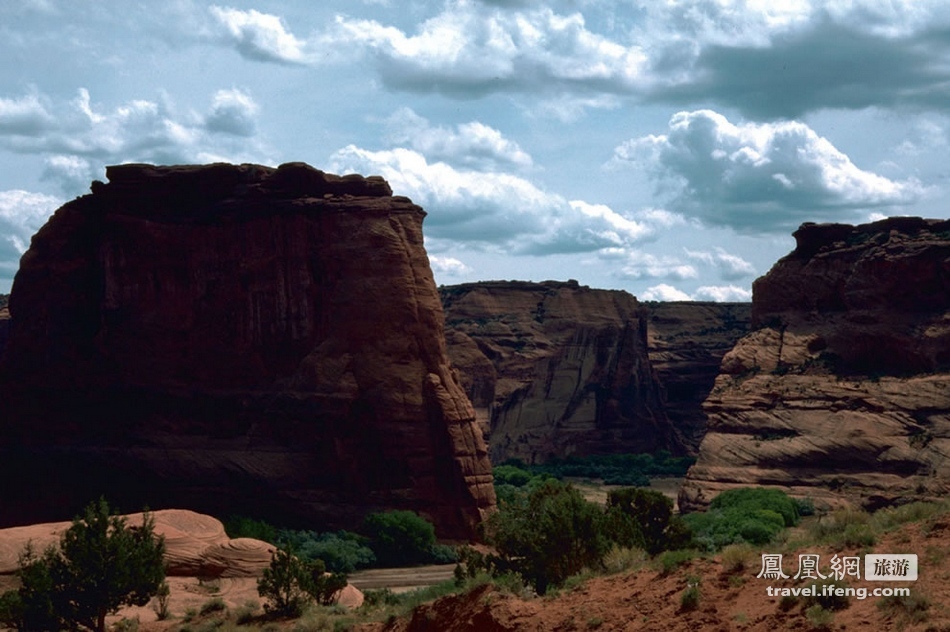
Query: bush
[548,536]
[669,561]
[244,527]
[651,514]
[689,600]
[101,564]
[290,583]
[752,515]
[341,552]
[400,538]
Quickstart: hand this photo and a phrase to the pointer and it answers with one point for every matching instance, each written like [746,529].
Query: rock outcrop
[195,545]
[687,341]
[235,339]
[555,369]
[842,391]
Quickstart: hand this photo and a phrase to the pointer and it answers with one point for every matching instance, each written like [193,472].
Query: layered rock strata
[687,341]
[842,391]
[235,339]
[556,368]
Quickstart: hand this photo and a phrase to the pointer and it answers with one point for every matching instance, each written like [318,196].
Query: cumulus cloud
[634,264]
[664,292]
[731,267]
[782,59]
[448,266]
[26,116]
[715,293]
[470,49]
[78,138]
[260,36]
[494,210]
[472,144]
[21,214]
[757,177]
[232,112]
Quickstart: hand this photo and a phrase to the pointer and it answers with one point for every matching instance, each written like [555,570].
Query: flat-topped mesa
[236,339]
[556,368]
[842,391]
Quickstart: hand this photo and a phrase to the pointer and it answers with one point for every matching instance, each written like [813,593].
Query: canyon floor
[644,598]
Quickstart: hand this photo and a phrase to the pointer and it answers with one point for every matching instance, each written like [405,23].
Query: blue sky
[664,148]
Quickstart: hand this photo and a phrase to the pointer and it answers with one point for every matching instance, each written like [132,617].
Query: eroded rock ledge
[235,339]
[842,392]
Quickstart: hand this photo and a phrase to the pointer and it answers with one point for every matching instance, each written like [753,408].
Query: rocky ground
[729,600]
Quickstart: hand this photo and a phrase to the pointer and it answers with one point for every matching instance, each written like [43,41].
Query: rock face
[556,369]
[842,391]
[687,341]
[235,339]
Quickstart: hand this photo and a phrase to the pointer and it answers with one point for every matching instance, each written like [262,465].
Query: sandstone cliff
[687,341]
[842,392]
[556,369]
[235,339]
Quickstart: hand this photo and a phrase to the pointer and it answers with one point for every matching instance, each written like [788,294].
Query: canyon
[841,393]
[235,339]
[557,369]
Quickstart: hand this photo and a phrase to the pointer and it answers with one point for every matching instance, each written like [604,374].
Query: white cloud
[716,293]
[21,215]
[260,36]
[664,292]
[730,266]
[472,144]
[80,138]
[722,293]
[759,177]
[636,265]
[25,116]
[473,49]
[448,266]
[233,112]
[493,210]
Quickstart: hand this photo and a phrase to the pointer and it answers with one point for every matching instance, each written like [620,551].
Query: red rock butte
[842,391]
[235,339]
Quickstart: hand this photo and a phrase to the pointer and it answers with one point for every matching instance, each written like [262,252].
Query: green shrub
[511,475]
[162,597]
[652,525]
[819,617]
[737,557]
[909,608]
[244,527]
[548,536]
[753,515]
[215,604]
[669,561]
[400,538]
[620,558]
[829,601]
[101,564]
[290,583]
[689,600]
[341,552]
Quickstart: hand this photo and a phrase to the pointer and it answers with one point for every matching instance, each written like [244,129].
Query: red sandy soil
[648,600]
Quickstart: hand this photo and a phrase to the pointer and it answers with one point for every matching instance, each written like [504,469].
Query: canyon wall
[842,391]
[686,343]
[235,339]
[556,368]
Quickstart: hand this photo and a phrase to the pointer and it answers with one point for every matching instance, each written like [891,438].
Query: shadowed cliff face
[556,369]
[687,341]
[235,339]
[842,392]
[4,322]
